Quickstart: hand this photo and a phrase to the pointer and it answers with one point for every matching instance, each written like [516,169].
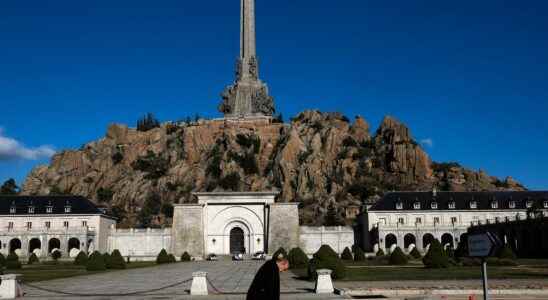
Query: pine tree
[9,187]
[347,254]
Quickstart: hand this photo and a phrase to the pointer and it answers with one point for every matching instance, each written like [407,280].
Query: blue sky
[469,76]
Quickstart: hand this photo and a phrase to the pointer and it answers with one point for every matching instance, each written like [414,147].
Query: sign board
[482,245]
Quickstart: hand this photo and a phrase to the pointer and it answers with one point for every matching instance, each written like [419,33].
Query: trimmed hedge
[359,255]
[380,252]
[2,260]
[12,262]
[436,258]
[56,255]
[506,253]
[415,253]
[297,258]
[163,257]
[282,251]
[96,262]
[172,258]
[347,254]
[81,259]
[117,261]
[186,257]
[108,260]
[33,259]
[326,258]
[397,257]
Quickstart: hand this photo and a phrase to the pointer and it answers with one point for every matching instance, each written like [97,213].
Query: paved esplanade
[248,96]
[230,278]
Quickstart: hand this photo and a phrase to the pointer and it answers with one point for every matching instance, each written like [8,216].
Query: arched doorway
[408,240]
[447,240]
[15,244]
[390,240]
[73,243]
[53,244]
[237,240]
[427,239]
[34,244]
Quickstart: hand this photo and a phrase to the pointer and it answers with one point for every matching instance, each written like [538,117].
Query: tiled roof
[78,205]
[461,200]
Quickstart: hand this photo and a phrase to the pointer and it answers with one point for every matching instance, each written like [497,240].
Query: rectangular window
[29,225]
[512,204]
[67,209]
[399,205]
[382,221]
[48,224]
[84,223]
[10,225]
[494,205]
[453,220]
[31,209]
[473,204]
[417,205]
[452,205]
[434,205]
[418,220]
[497,220]
[49,209]
[529,204]
[13,210]
[401,221]
[66,224]
[436,220]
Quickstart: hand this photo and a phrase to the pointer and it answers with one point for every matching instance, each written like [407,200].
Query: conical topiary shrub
[415,253]
[172,258]
[81,259]
[117,261]
[162,257]
[380,252]
[56,254]
[33,259]
[506,253]
[435,258]
[96,262]
[2,261]
[397,257]
[297,258]
[108,260]
[278,252]
[347,254]
[185,257]
[326,258]
[12,262]
[359,255]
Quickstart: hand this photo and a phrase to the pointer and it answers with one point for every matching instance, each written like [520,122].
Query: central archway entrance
[237,241]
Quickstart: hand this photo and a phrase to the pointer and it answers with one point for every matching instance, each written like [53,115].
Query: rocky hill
[322,160]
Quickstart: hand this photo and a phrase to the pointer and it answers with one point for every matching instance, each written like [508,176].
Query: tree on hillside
[9,187]
[332,218]
[147,123]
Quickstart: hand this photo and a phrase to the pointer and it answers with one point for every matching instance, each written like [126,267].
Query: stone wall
[312,238]
[283,229]
[139,244]
[188,230]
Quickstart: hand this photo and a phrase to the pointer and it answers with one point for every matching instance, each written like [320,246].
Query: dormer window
[434,205]
[13,209]
[529,203]
[512,204]
[31,209]
[545,204]
[473,204]
[49,209]
[399,205]
[494,204]
[452,205]
[417,205]
[68,209]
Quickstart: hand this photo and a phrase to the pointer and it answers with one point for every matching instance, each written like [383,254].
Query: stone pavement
[228,277]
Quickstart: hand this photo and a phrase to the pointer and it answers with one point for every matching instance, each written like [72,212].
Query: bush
[81,259]
[297,258]
[380,252]
[436,258]
[33,259]
[503,262]
[470,262]
[116,260]
[359,255]
[96,262]
[2,261]
[185,257]
[397,257]
[108,260]
[506,253]
[171,258]
[278,252]
[326,258]
[415,253]
[163,257]
[56,255]
[12,262]
[347,255]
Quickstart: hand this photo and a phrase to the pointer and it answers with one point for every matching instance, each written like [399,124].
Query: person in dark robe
[266,284]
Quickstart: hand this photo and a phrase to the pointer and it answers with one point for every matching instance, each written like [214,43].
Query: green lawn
[40,272]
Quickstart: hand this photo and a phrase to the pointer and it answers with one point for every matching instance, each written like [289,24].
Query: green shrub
[33,259]
[56,255]
[450,252]
[470,262]
[436,258]
[116,260]
[278,252]
[12,262]
[172,258]
[2,261]
[185,257]
[163,257]
[326,258]
[347,255]
[415,253]
[506,253]
[297,258]
[96,262]
[397,257]
[359,255]
[108,260]
[81,259]
[380,252]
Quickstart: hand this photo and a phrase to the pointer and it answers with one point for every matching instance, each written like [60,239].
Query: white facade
[139,244]
[338,238]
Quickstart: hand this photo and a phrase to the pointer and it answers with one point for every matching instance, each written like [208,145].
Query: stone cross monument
[248,97]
